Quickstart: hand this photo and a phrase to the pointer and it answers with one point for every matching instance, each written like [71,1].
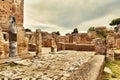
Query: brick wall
[11,7]
[77,47]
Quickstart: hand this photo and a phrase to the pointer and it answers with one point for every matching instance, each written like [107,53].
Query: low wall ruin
[77,47]
[85,47]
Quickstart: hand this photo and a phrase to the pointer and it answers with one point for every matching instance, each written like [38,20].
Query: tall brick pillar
[12,37]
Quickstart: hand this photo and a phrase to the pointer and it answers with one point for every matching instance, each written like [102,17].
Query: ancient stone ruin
[79,56]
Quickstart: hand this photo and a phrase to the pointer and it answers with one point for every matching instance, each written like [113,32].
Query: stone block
[110,55]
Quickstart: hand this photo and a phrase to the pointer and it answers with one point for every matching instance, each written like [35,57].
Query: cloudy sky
[65,15]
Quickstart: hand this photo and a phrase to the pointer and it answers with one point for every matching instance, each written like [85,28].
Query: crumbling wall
[117,40]
[118,43]
[113,40]
[48,42]
[11,7]
[4,46]
[79,38]
[31,36]
[31,41]
[91,35]
[47,39]
[22,41]
[110,40]
[64,39]
[60,46]
[100,46]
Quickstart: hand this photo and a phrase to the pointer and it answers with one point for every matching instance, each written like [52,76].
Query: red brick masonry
[77,47]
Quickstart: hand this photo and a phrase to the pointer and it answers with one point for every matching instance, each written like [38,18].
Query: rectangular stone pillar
[12,37]
[38,42]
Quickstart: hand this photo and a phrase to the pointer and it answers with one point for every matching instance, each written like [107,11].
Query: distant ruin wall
[77,47]
[85,47]
[47,43]
[69,46]
[59,46]
[22,41]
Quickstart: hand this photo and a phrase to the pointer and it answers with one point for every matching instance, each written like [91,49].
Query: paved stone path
[56,66]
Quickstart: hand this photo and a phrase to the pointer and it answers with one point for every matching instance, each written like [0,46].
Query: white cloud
[101,21]
[65,15]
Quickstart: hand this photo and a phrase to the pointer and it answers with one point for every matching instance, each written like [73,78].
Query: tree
[75,31]
[115,22]
[91,29]
[101,34]
[58,33]
[28,30]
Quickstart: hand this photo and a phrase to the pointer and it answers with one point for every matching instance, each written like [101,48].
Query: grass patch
[115,67]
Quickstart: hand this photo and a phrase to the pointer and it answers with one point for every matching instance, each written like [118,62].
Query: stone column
[12,37]
[38,42]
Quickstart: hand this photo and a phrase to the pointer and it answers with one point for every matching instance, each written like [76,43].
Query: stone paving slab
[48,67]
[91,70]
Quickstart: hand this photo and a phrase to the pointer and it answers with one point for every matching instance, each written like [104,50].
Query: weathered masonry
[11,7]
[12,42]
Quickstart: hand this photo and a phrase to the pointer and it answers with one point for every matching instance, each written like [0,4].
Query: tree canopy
[75,31]
[115,22]
[28,30]
[91,29]
[57,33]
[99,34]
